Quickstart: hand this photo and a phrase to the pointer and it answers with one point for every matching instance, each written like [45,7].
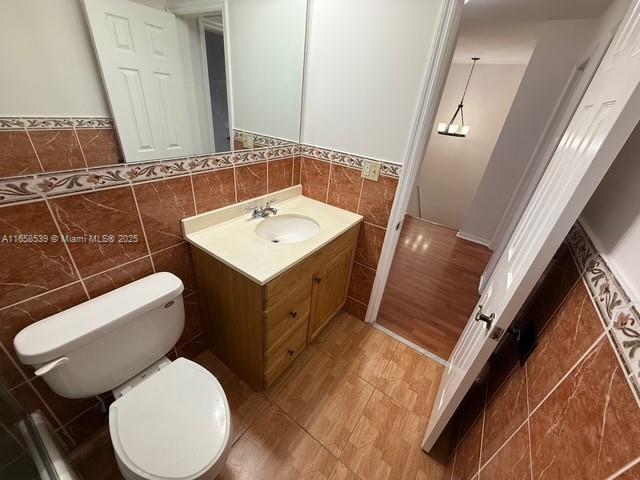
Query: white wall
[267,41]
[48,64]
[365,63]
[612,216]
[452,168]
[561,47]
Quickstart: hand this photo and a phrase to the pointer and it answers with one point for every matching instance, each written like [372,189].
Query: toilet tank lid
[61,333]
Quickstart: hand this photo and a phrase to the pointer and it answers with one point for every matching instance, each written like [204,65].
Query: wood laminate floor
[433,285]
[354,405]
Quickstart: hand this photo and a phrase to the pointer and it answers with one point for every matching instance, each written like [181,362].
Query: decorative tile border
[50,123]
[348,160]
[29,187]
[619,314]
[260,140]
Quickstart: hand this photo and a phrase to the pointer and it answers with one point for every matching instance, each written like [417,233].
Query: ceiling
[505,31]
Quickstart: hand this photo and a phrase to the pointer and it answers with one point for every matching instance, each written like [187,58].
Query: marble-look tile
[57,149]
[467,461]
[361,282]
[572,330]
[631,473]
[376,200]
[100,146]
[512,461]
[9,373]
[177,260]
[214,190]
[355,308]
[560,279]
[29,400]
[314,176]
[344,187]
[501,363]
[370,242]
[31,268]
[297,164]
[505,413]
[412,380]
[117,277]
[65,409]
[251,181]
[83,427]
[192,319]
[324,398]
[364,350]
[471,407]
[386,444]
[246,405]
[193,347]
[280,174]
[95,459]
[162,206]
[17,156]
[275,447]
[589,427]
[17,317]
[104,212]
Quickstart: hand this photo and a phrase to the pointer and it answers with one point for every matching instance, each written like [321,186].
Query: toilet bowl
[174,424]
[170,419]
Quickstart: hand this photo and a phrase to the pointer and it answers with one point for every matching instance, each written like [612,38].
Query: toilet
[170,419]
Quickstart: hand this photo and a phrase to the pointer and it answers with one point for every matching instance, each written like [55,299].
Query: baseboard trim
[473,238]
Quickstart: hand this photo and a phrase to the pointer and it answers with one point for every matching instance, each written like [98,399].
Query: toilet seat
[176,424]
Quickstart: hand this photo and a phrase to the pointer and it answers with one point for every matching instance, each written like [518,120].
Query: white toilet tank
[97,345]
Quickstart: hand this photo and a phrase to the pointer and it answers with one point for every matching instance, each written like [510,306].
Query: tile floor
[353,405]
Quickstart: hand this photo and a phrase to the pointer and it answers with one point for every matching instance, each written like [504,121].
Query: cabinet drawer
[288,314]
[281,356]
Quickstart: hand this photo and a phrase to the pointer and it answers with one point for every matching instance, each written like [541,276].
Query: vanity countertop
[229,235]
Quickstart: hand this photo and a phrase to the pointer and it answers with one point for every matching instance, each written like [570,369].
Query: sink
[287,228]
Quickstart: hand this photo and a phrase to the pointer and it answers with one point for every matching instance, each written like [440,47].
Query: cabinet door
[329,291]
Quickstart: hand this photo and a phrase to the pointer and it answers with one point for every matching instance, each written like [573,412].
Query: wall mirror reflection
[98,82]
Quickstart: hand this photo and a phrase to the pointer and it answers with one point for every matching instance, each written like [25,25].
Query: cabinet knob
[318,279]
[293,314]
[291,352]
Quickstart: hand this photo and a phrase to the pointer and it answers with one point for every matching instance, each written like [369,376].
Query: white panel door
[607,114]
[137,48]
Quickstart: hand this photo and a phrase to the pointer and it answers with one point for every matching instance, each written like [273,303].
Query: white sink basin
[287,228]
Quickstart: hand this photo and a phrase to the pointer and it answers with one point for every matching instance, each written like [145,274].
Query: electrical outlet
[371,170]
[247,140]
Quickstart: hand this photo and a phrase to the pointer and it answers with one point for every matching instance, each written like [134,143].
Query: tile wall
[572,410]
[335,178]
[37,145]
[143,204]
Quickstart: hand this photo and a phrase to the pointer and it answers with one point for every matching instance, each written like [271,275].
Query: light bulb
[453,128]
[465,129]
[442,127]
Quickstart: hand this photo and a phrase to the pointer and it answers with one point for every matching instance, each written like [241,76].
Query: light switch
[247,140]
[371,170]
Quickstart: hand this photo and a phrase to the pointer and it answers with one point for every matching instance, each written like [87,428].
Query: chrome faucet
[258,211]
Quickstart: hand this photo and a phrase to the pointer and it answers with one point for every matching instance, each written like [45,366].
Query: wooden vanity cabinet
[258,330]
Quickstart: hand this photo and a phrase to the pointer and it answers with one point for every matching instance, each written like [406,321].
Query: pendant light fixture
[453,129]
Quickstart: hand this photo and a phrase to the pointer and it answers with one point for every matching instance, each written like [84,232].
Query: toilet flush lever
[51,365]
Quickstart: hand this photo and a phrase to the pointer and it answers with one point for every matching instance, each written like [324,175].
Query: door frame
[432,85]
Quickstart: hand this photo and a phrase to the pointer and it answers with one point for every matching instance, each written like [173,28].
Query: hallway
[432,286]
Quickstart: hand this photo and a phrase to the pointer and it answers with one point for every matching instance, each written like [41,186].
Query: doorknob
[481,317]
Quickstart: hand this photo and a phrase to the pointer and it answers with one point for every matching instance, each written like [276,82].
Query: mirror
[98,82]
